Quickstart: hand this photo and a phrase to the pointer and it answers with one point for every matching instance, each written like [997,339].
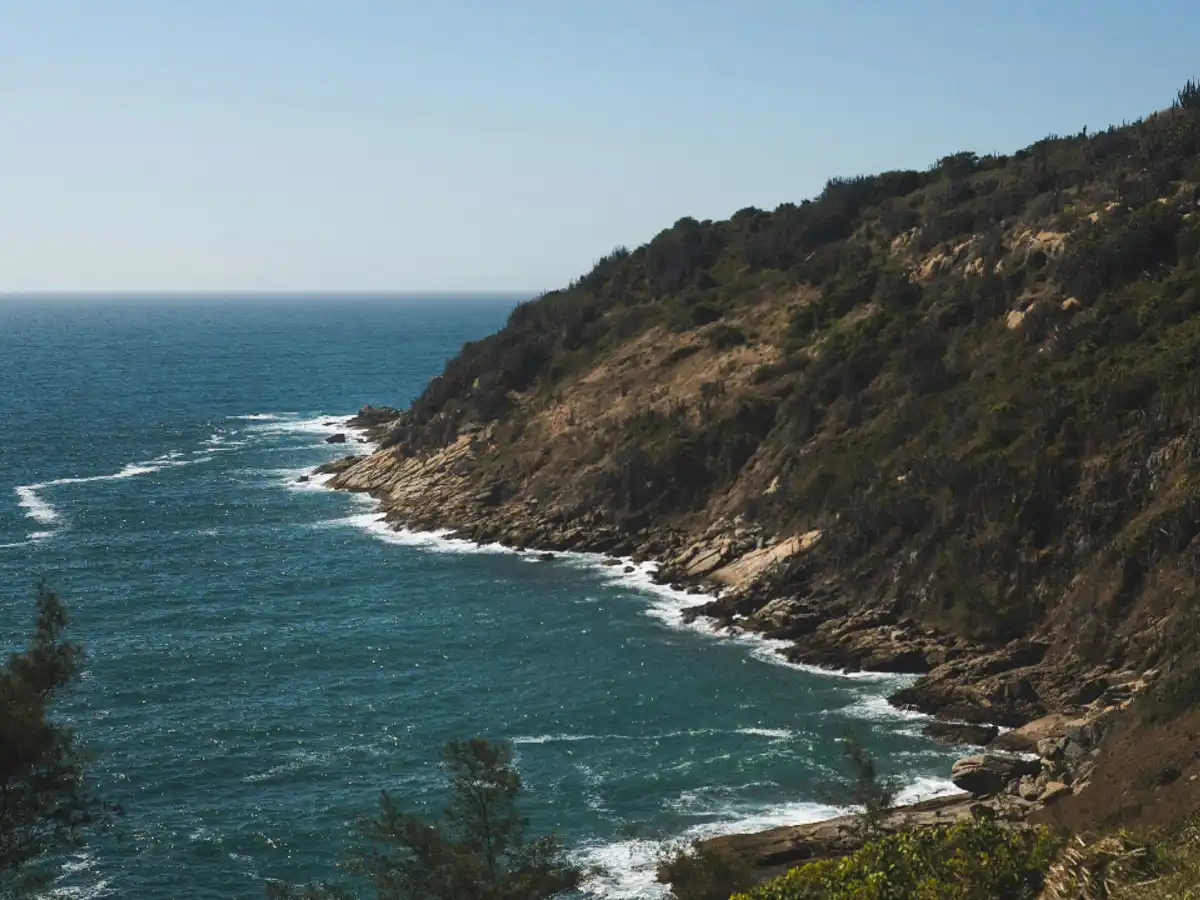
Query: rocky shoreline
[1053,733]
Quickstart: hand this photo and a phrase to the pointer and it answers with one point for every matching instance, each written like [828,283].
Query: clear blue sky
[322,144]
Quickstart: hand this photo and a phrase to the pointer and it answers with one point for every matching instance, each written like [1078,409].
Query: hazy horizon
[384,147]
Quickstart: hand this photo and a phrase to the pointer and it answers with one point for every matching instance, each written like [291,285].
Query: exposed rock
[990,774]
[337,466]
[1053,791]
[1029,736]
[373,416]
[339,438]
[961,733]
[303,478]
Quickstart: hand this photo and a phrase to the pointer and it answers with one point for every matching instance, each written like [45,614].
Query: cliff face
[942,422]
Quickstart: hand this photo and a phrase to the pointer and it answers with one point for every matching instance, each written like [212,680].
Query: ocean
[264,657]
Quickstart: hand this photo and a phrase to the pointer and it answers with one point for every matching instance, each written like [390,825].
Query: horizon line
[265,292]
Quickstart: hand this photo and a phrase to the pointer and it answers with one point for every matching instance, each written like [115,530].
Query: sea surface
[264,657]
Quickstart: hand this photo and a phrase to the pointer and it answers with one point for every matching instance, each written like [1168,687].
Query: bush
[703,872]
[974,860]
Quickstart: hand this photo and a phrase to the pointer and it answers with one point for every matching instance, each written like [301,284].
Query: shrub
[704,872]
[977,859]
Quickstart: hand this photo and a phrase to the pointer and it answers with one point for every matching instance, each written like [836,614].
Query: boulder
[303,478]
[990,774]
[338,438]
[1053,791]
[961,733]
[374,416]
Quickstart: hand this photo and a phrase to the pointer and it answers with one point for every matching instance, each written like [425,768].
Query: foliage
[701,871]
[967,373]
[1168,867]
[478,851]
[1189,95]
[978,859]
[863,789]
[1095,870]
[46,807]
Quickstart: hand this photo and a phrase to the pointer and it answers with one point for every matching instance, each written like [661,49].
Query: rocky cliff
[941,422]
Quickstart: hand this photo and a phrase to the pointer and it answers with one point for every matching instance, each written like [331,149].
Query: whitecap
[35,507]
[376,525]
[629,867]
[777,734]
[319,425]
[556,738]
[43,511]
[875,708]
[926,788]
[84,892]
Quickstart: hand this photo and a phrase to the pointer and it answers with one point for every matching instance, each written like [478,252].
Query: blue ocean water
[264,657]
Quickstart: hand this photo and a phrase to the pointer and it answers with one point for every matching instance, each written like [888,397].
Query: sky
[278,145]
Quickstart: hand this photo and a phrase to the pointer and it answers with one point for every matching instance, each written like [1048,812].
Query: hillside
[942,422]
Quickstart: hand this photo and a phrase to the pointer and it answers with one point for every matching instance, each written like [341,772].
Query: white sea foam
[777,734]
[669,605]
[255,417]
[326,425]
[101,888]
[40,509]
[926,788]
[375,524]
[556,738]
[875,708]
[666,604]
[35,507]
[74,866]
[629,867]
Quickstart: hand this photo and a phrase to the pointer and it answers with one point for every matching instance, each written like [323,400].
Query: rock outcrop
[989,774]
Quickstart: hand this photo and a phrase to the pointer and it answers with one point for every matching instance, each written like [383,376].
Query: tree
[863,789]
[477,852]
[1189,95]
[45,805]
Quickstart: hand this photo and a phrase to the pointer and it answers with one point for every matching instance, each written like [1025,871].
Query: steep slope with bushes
[940,421]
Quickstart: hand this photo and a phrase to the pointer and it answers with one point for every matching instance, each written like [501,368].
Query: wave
[44,512]
[326,425]
[628,868]
[775,734]
[76,865]
[667,604]
[375,524]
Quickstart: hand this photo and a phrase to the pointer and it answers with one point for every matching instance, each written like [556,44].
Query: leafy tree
[1189,95]
[863,789]
[477,852]
[45,805]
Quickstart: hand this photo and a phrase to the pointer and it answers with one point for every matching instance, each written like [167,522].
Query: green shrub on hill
[978,859]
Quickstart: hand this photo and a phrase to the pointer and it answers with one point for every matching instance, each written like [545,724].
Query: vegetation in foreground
[478,851]
[977,859]
[46,805]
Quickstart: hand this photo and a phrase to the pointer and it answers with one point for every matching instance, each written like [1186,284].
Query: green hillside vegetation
[978,382]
